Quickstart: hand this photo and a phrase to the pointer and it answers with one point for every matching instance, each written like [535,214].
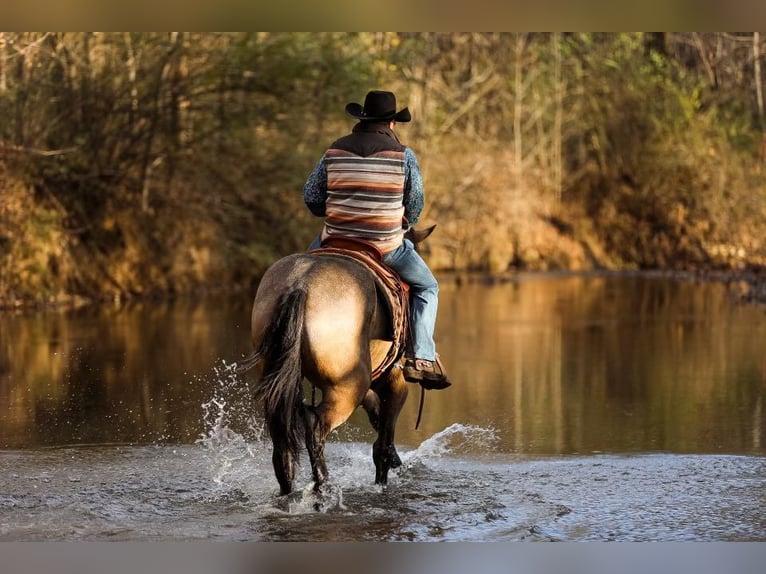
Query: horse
[321,318]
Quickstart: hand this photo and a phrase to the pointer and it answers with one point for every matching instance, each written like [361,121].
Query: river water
[599,407]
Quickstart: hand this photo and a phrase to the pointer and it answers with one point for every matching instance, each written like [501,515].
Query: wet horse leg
[338,403]
[371,404]
[315,444]
[284,469]
[392,393]
[282,459]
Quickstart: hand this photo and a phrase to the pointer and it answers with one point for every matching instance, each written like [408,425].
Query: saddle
[391,290]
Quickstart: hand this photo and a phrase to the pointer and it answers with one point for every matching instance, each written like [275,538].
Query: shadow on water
[585,408]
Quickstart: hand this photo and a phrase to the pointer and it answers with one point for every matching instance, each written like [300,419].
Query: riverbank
[746,286]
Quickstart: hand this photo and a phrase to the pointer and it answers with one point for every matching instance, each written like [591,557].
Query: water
[585,408]
[178,493]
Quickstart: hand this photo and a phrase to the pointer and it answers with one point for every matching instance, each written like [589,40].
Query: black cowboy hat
[379,106]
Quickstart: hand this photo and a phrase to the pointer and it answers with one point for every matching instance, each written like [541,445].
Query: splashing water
[239,453]
[447,442]
[234,440]
[457,485]
[352,470]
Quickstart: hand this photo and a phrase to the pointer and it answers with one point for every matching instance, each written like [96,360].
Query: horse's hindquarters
[322,311]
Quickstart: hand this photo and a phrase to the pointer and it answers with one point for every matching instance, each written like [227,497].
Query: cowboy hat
[378,106]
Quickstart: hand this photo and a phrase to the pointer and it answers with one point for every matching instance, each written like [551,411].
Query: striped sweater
[367,186]
[365,197]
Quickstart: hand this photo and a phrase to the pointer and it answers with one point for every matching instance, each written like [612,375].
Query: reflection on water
[135,375]
[618,364]
[555,365]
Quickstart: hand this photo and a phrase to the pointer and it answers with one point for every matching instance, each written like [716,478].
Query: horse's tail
[280,387]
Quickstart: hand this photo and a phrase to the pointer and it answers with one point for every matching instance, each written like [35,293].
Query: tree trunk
[518,107]
[655,42]
[558,119]
[757,73]
[3,62]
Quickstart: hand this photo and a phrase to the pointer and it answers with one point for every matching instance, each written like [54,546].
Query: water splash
[243,412]
[239,453]
[234,439]
[306,500]
[456,438]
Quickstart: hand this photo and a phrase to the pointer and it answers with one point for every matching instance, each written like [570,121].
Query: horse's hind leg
[338,403]
[392,392]
[371,404]
[284,469]
[315,441]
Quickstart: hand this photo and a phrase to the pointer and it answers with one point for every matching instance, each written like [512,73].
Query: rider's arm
[413,187]
[315,190]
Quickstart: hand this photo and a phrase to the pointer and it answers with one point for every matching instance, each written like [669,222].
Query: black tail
[280,389]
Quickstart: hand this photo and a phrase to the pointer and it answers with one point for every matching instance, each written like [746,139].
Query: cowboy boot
[430,374]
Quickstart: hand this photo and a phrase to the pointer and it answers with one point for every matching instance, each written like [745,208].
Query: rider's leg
[316,244]
[424,295]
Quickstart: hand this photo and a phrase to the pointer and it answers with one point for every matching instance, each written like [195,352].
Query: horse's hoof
[327,497]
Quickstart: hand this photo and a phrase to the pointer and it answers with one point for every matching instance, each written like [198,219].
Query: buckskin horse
[322,316]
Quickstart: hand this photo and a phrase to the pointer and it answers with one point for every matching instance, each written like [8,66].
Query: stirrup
[429,374]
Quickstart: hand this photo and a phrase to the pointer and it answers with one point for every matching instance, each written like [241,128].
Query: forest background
[156,164]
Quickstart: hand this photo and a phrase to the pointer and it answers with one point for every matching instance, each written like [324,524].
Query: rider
[368,186]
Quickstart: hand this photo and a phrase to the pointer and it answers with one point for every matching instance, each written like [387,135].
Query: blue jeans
[424,295]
